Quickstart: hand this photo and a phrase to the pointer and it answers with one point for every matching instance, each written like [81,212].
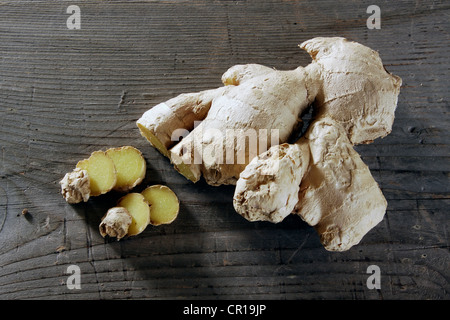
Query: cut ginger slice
[153,140]
[139,210]
[130,167]
[101,171]
[164,204]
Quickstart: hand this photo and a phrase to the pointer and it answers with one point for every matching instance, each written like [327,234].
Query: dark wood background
[65,93]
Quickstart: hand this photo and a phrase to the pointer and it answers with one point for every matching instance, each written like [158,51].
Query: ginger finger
[230,136]
[355,90]
[334,190]
[338,194]
[267,190]
[164,123]
[242,72]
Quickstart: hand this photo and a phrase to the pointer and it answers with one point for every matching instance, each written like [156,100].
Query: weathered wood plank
[65,93]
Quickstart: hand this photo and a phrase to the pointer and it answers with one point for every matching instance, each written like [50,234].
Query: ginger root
[230,135]
[119,169]
[337,194]
[272,193]
[75,186]
[251,100]
[115,223]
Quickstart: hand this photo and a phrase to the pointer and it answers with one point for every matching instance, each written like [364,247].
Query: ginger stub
[75,186]
[115,223]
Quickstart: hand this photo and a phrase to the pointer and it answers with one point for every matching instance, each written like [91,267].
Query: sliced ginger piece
[138,208]
[101,172]
[115,223]
[164,204]
[75,186]
[130,167]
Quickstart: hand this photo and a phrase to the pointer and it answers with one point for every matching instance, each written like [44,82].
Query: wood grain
[65,93]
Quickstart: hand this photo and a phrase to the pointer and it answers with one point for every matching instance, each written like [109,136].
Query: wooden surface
[65,93]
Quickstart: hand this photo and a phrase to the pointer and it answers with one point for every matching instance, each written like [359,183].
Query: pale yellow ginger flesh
[115,223]
[348,87]
[139,211]
[130,167]
[153,140]
[101,171]
[164,204]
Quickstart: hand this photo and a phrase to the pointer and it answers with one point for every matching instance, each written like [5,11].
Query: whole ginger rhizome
[320,176]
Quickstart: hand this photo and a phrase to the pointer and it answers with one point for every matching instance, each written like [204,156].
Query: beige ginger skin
[115,223]
[75,186]
[320,177]
[331,188]
[242,105]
